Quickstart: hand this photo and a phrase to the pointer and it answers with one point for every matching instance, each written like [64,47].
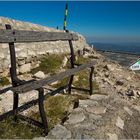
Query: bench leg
[90,80]
[15,105]
[41,109]
[70,84]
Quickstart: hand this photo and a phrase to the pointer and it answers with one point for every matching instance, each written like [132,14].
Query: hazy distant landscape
[123,53]
[118,47]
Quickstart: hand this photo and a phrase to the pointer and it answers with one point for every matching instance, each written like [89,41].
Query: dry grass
[50,64]
[19,130]
[4,81]
[57,107]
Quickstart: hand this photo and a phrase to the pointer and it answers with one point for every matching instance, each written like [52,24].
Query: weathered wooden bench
[21,86]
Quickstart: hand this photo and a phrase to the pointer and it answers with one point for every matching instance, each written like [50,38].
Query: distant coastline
[126,48]
[124,54]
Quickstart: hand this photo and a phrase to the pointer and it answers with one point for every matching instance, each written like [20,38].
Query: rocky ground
[123,59]
[112,112]
[100,117]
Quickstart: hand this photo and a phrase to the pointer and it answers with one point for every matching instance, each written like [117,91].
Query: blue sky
[99,21]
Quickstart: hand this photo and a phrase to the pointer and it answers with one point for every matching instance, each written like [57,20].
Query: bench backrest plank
[37,84]
[21,36]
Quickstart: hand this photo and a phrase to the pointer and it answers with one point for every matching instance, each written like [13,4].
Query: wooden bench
[21,86]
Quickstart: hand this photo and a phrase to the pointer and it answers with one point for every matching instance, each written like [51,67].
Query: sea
[132,48]
[125,54]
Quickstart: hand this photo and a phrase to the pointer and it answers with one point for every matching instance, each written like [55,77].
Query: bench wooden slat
[21,36]
[37,84]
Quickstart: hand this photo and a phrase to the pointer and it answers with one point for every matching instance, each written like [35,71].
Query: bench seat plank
[21,36]
[37,84]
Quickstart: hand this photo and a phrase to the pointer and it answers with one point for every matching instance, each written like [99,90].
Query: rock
[76,117]
[80,52]
[87,50]
[130,92]
[25,68]
[86,103]
[94,116]
[136,108]
[2,56]
[78,110]
[21,61]
[96,110]
[31,53]
[6,102]
[106,80]
[4,46]
[6,63]
[75,79]
[37,49]
[5,72]
[54,83]
[18,49]
[41,52]
[94,56]
[120,123]
[35,64]
[64,62]
[1,109]
[9,92]
[109,67]
[86,55]
[22,54]
[128,110]
[39,138]
[120,82]
[106,74]
[86,126]
[128,78]
[39,75]
[98,97]
[112,136]
[136,93]
[85,136]
[59,132]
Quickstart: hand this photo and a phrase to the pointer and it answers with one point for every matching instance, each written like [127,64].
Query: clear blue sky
[98,21]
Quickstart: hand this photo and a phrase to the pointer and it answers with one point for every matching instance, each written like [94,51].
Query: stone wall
[28,53]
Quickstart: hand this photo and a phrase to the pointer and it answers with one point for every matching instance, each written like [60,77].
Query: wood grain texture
[22,36]
[37,84]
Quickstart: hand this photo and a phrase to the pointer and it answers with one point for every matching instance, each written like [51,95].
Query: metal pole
[65,17]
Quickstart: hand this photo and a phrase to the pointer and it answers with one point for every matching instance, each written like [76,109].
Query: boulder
[128,110]
[31,53]
[86,103]
[98,97]
[109,67]
[22,54]
[129,92]
[64,62]
[76,117]
[59,132]
[120,82]
[21,61]
[112,136]
[96,110]
[2,56]
[25,68]
[39,75]
[120,123]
